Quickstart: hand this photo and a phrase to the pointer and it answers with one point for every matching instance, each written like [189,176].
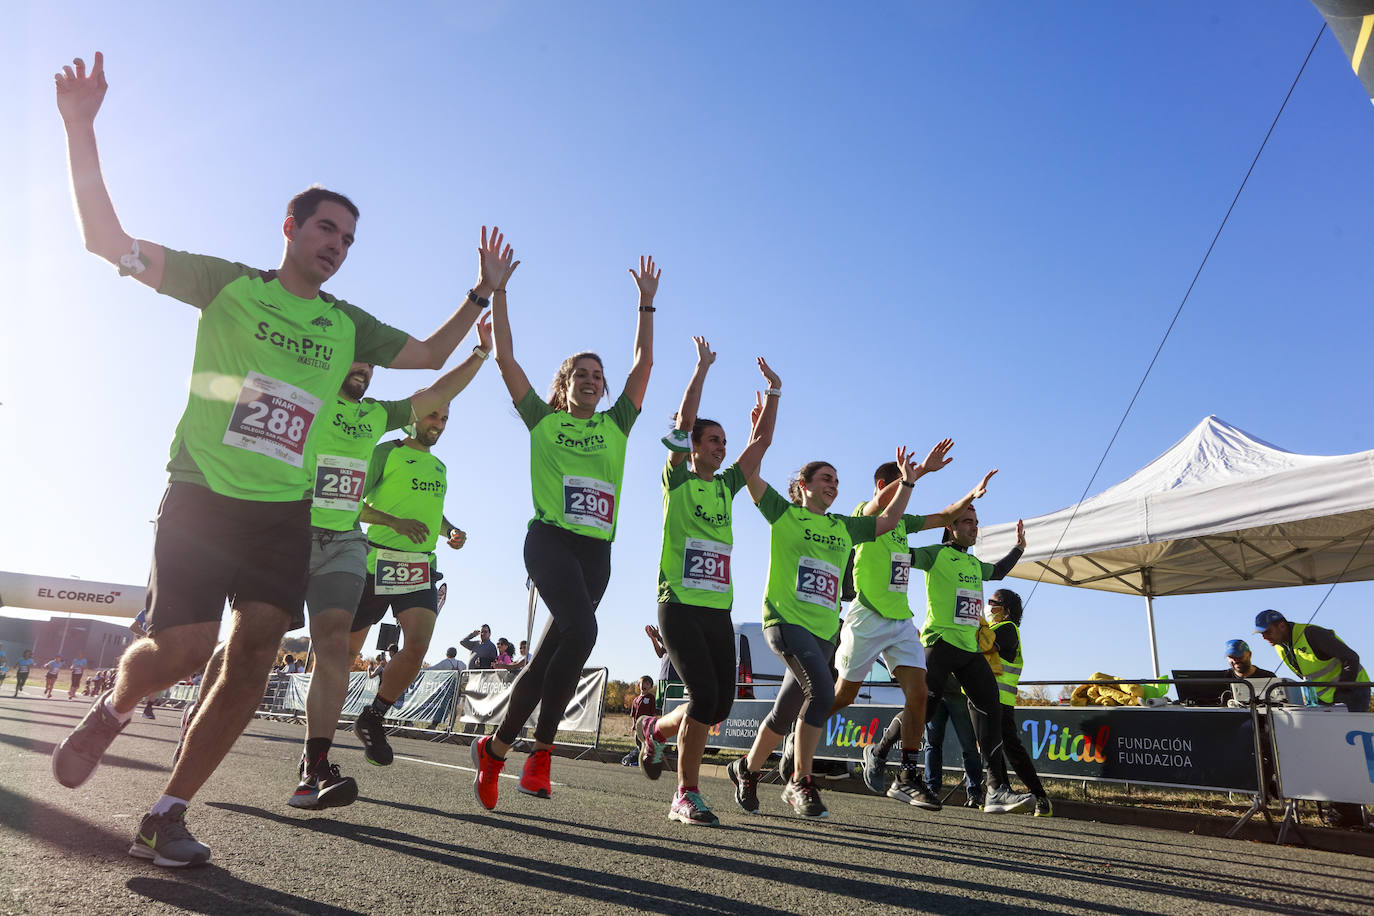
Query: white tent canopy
[1219,511]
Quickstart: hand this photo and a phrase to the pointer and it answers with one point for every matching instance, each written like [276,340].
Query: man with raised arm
[271,350]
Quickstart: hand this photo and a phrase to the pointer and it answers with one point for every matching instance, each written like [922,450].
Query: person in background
[449,662]
[1238,658]
[643,705]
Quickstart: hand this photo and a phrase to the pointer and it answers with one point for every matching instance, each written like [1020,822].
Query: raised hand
[1021,534]
[982,488]
[79,95]
[769,375]
[484,332]
[495,264]
[938,456]
[647,278]
[906,460]
[756,411]
[705,356]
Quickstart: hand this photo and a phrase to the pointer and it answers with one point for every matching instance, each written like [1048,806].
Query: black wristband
[477,300]
[647,308]
[909,484]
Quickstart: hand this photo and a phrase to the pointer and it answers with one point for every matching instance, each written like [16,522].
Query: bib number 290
[591,502]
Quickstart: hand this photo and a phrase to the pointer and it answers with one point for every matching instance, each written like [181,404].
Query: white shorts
[866,634]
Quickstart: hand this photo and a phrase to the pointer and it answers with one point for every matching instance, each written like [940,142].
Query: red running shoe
[534,778]
[485,784]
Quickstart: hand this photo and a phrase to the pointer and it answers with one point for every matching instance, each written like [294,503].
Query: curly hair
[558,388]
[1011,603]
[803,476]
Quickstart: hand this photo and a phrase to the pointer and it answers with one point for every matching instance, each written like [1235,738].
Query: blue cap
[1264,618]
[1236,648]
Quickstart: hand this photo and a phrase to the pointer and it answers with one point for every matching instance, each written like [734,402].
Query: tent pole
[1150,618]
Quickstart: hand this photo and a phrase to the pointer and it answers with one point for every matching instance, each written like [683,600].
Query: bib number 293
[818,582]
[588,501]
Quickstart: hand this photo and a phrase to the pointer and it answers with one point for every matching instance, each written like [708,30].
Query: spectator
[504,661]
[1238,657]
[483,650]
[643,705]
[449,662]
[523,658]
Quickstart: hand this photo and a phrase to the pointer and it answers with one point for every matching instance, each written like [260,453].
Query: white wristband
[480,352]
[773,393]
[132,264]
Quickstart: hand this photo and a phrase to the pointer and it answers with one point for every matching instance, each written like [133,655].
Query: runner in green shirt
[695,590]
[271,347]
[801,616]
[577,460]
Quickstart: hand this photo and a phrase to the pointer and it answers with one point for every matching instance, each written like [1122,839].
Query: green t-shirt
[576,466]
[266,364]
[882,569]
[807,554]
[954,594]
[697,538]
[409,484]
[340,451]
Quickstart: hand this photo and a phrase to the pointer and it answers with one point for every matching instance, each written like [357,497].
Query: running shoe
[324,787]
[746,785]
[804,798]
[875,770]
[787,764]
[371,731]
[1044,807]
[650,748]
[187,715]
[1002,800]
[165,839]
[148,712]
[974,800]
[76,758]
[910,788]
[691,808]
[534,778]
[485,784]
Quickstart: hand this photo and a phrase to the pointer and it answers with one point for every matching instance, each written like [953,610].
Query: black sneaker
[746,785]
[76,758]
[371,731]
[1043,807]
[974,800]
[804,798]
[165,839]
[324,787]
[910,788]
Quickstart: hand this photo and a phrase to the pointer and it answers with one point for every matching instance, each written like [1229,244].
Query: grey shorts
[338,567]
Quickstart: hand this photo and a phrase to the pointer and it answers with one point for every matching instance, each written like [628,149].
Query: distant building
[71,637]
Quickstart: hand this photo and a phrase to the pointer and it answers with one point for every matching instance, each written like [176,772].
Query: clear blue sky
[970,220]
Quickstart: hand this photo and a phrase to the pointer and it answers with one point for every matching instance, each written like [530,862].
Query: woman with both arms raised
[695,591]
[801,616]
[577,460]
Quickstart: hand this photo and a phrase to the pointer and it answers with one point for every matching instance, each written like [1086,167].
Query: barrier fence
[1260,746]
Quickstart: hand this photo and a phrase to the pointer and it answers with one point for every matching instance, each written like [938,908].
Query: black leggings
[1016,752]
[571,572]
[971,670]
[701,646]
[808,686]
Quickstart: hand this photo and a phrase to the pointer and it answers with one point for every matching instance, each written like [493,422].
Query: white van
[758,672]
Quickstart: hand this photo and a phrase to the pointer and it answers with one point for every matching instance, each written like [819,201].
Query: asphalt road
[416,841]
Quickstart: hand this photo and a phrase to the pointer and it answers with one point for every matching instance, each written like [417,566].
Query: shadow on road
[213,890]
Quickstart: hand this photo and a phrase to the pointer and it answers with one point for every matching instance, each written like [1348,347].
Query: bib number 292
[399,573]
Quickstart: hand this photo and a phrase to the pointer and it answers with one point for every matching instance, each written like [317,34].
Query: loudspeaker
[388,633]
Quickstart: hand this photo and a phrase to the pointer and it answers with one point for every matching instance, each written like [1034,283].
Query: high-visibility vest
[1303,662]
[1010,675]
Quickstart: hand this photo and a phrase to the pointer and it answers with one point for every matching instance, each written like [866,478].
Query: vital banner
[1192,748]
[1325,754]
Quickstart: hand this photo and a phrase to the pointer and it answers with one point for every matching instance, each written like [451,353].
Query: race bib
[818,582]
[968,607]
[339,482]
[706,565]
[272,418]
[899,573]
[588,501]
[400,572]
